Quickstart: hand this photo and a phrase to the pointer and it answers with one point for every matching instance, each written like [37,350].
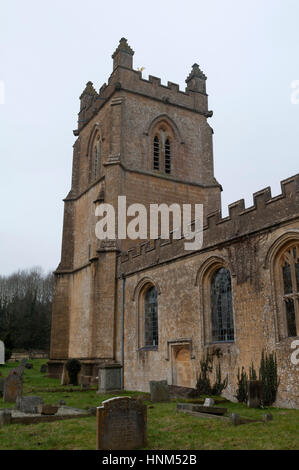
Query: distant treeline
[25,309]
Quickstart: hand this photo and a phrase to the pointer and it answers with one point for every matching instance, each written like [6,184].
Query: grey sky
[50,49]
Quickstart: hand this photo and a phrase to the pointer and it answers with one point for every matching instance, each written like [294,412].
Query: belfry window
[162,148]
[221,306]
[156,164]
[290,281]
[151,317]
[167,157]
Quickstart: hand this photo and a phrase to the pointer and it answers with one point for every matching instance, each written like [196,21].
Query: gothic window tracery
[151,317]
[221,306]
[290,290]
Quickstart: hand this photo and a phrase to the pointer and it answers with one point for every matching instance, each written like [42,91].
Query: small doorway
[181,365]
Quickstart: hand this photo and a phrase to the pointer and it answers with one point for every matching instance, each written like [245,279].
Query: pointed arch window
[221,306]
[97,155]
[151,317]
[290,294]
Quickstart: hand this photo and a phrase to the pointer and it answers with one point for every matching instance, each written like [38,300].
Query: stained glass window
[290,278]
[151,317]
[221,302]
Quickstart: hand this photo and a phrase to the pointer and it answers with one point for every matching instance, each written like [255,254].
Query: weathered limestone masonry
[247,242]
[152,143]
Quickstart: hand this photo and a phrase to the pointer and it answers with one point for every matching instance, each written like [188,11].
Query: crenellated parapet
[125,78]
[265,213]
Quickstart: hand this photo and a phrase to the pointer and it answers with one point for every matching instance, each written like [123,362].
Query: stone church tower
[141,139]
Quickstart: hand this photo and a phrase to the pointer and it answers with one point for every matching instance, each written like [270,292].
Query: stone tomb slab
[121,424]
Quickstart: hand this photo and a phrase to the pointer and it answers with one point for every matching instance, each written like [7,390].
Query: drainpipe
[123,279]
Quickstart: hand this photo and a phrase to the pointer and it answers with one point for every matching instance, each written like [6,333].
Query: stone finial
[123,55]
[88,95]
[196,80]
[88,90]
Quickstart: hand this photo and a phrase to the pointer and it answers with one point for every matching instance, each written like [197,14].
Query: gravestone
[24,362]
[43,368]
[13,387]
[235,419]
[109,378]
[2,353]
[159,390]
[267,417]
[255,393]
[28,365]
[121,424]
[209,402]
[28,404]
[5,417]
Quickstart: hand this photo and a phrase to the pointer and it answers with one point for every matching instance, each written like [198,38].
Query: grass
[167,429]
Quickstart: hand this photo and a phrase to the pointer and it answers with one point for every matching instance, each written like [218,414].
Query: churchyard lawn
[167,429]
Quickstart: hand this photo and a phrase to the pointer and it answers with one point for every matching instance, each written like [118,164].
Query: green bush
[73,367]
[269,378]
[242,393]
[203,384]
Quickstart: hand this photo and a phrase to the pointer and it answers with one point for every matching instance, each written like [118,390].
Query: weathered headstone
[13,387]
[235,419]
[28,404]
[121,424]
[2,353]
[255,393]
[267,417]
[5,417]
[43,368]
[61,403]
[29,365]
[159,390]
[209,402]
[109,378]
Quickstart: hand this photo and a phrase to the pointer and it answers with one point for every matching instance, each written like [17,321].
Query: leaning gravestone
[13,387]
[2,353]
[121,424]
[159,390]
[255,393]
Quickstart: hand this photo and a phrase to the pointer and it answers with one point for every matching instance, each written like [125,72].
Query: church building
[150,305]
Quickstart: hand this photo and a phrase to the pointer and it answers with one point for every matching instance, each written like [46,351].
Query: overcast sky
[50,49]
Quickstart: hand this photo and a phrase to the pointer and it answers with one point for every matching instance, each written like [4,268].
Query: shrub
[269,378]
[203,384]
[242,393]
[73,367]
